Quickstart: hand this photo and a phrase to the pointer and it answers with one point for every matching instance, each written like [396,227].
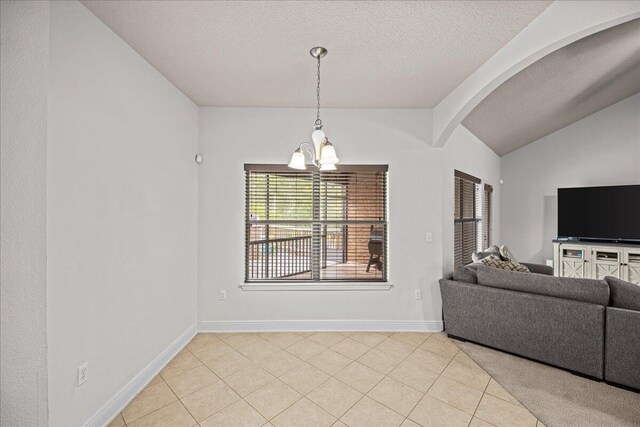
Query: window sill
[336,286]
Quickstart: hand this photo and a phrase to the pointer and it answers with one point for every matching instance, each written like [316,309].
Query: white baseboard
[113,407]
[320,325]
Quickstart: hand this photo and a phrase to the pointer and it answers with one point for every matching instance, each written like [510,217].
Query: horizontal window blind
[487,216]
[316,226]
[467,219]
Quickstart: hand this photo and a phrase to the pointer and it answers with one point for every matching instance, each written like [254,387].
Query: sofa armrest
[538,268]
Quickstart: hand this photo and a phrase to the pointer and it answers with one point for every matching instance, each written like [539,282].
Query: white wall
[466,153]
[230,137]
[122,213]
[24,58]
[602,149]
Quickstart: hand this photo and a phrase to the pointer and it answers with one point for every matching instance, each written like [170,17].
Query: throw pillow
[624,294]
[495,262]
[491,250]
[506,254]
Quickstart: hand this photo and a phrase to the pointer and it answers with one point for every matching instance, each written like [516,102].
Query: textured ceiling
[560,89]
[382,54]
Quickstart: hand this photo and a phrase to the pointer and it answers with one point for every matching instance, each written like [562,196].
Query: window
[487,216]
[467,219]
[311,226]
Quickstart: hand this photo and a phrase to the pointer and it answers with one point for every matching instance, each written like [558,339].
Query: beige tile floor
[323,379]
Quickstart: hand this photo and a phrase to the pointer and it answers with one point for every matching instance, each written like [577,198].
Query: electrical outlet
[418,294]
[223,295]
[429,238]
[82,374]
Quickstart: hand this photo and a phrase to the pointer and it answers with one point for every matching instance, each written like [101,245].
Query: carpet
[556,397]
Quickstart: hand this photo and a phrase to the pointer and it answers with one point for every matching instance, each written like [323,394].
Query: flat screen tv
[600,213]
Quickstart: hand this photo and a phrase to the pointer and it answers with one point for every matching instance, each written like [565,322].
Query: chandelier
[321,154]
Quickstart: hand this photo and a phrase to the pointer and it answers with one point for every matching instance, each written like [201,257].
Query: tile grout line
[385,376]
[499,398]
[304,396]
[441,375]
[431,337]
[222,380]
[429,388]
[275,378]
[180,399]
[241,397]
[195,391]
[423,394]
[155,410]
[162,407]
[484,392]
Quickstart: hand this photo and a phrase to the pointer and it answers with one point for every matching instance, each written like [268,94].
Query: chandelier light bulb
[297,160]
[328,155]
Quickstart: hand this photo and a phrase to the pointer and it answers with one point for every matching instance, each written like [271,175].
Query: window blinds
[487,217]
[467,217]
[316,226]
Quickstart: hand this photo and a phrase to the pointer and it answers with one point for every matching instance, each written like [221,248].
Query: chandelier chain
[318,121]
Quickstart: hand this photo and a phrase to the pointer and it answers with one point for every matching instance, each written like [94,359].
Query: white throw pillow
[506,254]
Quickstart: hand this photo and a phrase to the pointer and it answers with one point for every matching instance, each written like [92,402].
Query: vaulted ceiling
[561,88]
[382,54]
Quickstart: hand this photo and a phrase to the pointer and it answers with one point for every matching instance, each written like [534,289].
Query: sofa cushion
[585,290]
[495,262]
[467,274]
[623,294]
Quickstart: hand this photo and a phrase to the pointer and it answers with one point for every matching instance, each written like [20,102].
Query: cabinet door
[606,262]
[573,268]
[632,266]
[573,262]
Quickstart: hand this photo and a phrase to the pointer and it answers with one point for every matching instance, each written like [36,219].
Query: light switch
[429,238]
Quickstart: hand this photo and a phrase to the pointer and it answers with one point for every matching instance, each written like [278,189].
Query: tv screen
[599,213]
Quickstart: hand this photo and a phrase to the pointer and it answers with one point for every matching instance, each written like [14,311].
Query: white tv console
[591,260]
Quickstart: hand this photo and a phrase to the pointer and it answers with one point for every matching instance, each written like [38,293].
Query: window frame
[317,283]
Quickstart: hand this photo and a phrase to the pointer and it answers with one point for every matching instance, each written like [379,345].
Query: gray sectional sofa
[577,324]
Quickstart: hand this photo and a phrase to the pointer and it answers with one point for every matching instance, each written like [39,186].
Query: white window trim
[317,286]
